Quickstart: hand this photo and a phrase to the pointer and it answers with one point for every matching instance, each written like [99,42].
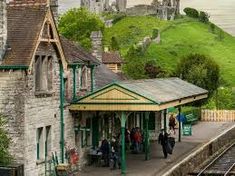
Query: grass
[131,30]
[178,38]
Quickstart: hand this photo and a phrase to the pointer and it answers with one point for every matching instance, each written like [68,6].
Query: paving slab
[202,132]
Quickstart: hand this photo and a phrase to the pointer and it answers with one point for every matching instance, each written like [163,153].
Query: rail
[215,159]
[229,170]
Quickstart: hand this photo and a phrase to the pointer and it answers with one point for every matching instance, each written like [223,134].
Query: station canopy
[140,95]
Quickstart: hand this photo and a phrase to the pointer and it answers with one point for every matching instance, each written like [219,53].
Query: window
[84,78]
[43,142]
[86,133]
[40,145]
[43,73]
[48,141]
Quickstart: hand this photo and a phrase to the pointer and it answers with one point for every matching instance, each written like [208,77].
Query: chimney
[3,28]
[96,39]
[54,8]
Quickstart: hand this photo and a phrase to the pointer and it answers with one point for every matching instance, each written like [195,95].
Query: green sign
[187,129]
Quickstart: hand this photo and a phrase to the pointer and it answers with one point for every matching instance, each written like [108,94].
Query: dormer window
[43,74]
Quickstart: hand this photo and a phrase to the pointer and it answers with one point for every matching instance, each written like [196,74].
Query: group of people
[111,152]
[167,140]
[136,138]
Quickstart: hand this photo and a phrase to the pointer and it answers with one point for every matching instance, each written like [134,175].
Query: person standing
[163,140]
[172,123]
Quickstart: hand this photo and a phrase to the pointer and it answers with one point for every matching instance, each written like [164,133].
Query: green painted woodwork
[38,148]
[123,157]
[13,67]
[179,109]
[61,113]
[92,78]
[74,83]
[165,126]
[95,131]
[147,147]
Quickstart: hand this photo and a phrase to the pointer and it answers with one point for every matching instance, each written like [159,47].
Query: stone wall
[12,102]
[202,154]
[3,28]
[142,10]
[42,111]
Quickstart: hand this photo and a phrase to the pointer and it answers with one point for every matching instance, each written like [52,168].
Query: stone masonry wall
[12,101]
[42,111]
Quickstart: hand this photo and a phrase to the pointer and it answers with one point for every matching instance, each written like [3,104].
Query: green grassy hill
[178,38]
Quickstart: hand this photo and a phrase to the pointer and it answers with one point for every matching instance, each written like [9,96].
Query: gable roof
[141,95]
[111,58]
[74,53]
[24,24]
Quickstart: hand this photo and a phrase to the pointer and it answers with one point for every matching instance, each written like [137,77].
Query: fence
[218,115]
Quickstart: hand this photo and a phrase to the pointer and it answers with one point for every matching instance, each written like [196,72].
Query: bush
[204,17]
[222,99]
[191,12]
[5,157]
[114,44]
[155,33]
[200,70]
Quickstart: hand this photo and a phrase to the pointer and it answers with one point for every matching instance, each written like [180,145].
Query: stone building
[37,74]
[99,6]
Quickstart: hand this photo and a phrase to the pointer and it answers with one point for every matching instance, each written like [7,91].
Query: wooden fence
[218,115]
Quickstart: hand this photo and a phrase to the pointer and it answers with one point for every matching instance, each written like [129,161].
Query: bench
[191,119]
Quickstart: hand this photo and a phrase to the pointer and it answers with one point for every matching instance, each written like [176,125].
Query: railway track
[223,164]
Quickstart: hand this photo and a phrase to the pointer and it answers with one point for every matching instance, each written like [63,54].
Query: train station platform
[202,132]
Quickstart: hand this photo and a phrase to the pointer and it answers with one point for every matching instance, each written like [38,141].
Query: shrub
[204,17]
[191,12]
[5,157]
[155,33]
[200,70]
[114,44]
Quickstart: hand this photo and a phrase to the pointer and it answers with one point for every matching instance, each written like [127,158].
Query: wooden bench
[191,119]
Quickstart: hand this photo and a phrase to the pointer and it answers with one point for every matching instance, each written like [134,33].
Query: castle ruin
[164,9]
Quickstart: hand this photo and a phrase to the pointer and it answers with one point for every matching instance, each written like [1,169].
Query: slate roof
[163,90]
[74,53]
[111,58]
[23,24]
[104,76]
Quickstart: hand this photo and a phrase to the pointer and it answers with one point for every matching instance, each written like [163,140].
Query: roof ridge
[28,3]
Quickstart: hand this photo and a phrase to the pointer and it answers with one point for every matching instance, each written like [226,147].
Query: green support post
[61,113]
[147,151]
[74,82]
[165,126]
[92,78]
[179,109]
[123,126]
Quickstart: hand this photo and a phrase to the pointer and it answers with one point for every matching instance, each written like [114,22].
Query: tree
[200,70]
[204,17]
[222,98]
[5,156]
[114,44]
[134,67]
[77,25]
[152,70]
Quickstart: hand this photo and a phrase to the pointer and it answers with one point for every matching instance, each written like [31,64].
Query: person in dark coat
[116,153]
[163,140]
[104,148]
